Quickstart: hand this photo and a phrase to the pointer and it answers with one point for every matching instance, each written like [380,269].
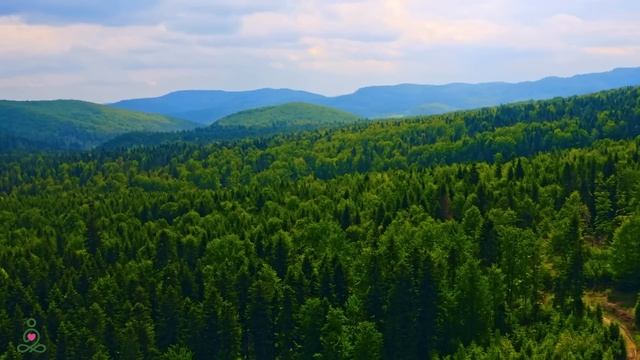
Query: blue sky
[103,51]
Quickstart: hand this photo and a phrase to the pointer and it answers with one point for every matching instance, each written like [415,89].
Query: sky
[103,51]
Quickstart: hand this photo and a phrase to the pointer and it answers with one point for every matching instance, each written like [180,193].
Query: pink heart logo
[31,336]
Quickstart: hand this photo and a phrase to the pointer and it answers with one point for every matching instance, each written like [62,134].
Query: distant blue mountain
[205,106]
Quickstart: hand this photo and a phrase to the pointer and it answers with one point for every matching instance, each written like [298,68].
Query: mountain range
[207,106]
[71,124]
[263,121]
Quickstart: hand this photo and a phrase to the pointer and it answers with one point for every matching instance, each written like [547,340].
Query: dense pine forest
[470,235]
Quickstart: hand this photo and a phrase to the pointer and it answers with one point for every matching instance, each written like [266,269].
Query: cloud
[211,17]
[112,12]
[612,51]
[199,16]
[20,40]
[203,23]
[105,50]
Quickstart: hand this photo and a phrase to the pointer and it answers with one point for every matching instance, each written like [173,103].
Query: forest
[469,235]
[72,125]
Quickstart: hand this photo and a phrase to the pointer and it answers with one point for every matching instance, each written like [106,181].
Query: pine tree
[399,322]
[67,341]
[345,218]
[310,320]
[604,210]
[285,324]
[129,346]
[261,317]
[168,317]
[326,279]
[208,342]
[374,301]
[444,203]
[165,249]
[367,342]
[281,255]
[333,338]
[472,312]
[568,243]
[576,266]
[93,237]
[488,243]
[519,172]
[229,332]
[472,223]
[625,252]
[340,283]
[427,313]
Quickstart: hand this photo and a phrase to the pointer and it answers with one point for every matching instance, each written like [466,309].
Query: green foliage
[177,353]
[500,132]
[266,121]
[367,342]
[292,114]
[626,251]
[569,265]
[395,240]
[69,124]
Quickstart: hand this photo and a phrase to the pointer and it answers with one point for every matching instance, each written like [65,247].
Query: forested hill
[205,106]
[581,118]
[70,124]
[288,115]
[260,122]
[467,235]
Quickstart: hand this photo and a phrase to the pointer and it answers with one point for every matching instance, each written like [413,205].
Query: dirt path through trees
[630,344]
[616,313]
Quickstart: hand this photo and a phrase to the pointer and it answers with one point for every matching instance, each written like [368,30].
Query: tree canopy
[467,235]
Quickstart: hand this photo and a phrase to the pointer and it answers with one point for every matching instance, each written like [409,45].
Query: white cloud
[613,51]
[327,46]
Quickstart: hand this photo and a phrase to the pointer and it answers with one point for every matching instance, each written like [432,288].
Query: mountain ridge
[74,124]
[289,114]
[259,122]
[219,103]
[378,101]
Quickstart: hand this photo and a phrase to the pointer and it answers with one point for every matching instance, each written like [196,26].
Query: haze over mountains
[207,106]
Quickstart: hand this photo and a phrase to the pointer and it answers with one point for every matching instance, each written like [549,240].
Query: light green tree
[625,250]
